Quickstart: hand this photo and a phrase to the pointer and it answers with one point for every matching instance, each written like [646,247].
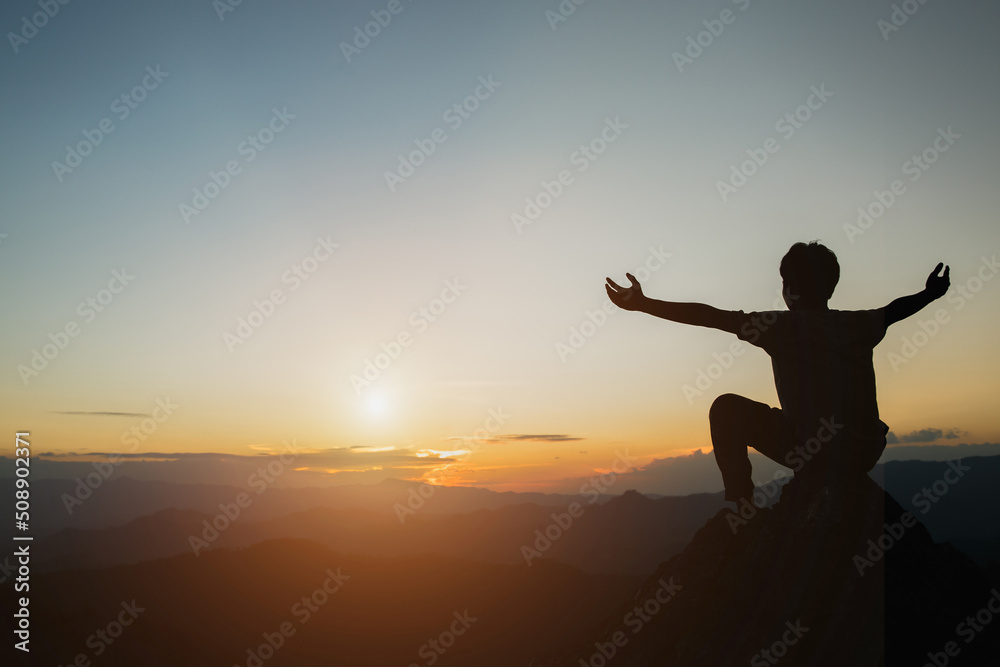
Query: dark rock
[830,575]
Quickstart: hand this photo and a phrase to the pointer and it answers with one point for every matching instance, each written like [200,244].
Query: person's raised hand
[937,286]
[626,298]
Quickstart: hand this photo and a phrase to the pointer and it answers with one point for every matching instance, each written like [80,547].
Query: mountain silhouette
[629,534]
[158,535]
[952,512]
[808,578]
[120,500]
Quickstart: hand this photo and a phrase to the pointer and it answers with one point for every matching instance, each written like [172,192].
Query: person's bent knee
[724,407]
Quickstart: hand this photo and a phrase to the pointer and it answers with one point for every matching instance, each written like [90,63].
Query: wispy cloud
[98,413]
[924,435]
[480,440]
[308,467]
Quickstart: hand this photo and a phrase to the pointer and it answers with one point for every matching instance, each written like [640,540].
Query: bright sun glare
[377,405]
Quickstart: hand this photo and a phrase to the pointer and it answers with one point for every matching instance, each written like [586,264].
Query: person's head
[810,272]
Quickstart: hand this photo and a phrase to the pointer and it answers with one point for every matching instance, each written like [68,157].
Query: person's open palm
[626,298]
[937,286]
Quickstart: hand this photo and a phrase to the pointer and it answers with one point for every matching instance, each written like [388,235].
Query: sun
[377,405]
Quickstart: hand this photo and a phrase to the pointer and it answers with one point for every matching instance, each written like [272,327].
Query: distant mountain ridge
[118,501]
[958,501]
[626,535]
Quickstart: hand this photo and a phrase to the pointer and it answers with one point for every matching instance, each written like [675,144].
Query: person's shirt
[822,363]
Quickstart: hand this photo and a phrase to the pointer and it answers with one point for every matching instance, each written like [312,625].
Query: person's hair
[811,270]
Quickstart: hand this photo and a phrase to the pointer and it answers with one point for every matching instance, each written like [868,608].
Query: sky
[228,227]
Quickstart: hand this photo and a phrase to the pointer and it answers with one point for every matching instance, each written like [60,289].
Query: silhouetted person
[822,362]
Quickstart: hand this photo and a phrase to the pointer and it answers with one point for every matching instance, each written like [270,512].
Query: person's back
[822,362]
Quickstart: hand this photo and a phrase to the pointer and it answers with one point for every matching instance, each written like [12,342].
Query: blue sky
[323,176]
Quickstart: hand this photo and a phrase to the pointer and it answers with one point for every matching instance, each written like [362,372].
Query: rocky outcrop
[830,575]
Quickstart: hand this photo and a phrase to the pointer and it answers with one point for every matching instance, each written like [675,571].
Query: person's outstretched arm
[935,288]
[698,314]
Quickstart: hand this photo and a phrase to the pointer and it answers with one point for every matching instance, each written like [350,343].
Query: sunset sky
[355,255]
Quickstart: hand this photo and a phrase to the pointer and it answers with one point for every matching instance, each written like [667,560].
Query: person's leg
[737,423]
[845,458]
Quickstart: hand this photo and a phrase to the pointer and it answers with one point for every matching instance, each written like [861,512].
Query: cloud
[546,437]
[696,472]
[478,440]
[310,467]
[924,435]
[100,414]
